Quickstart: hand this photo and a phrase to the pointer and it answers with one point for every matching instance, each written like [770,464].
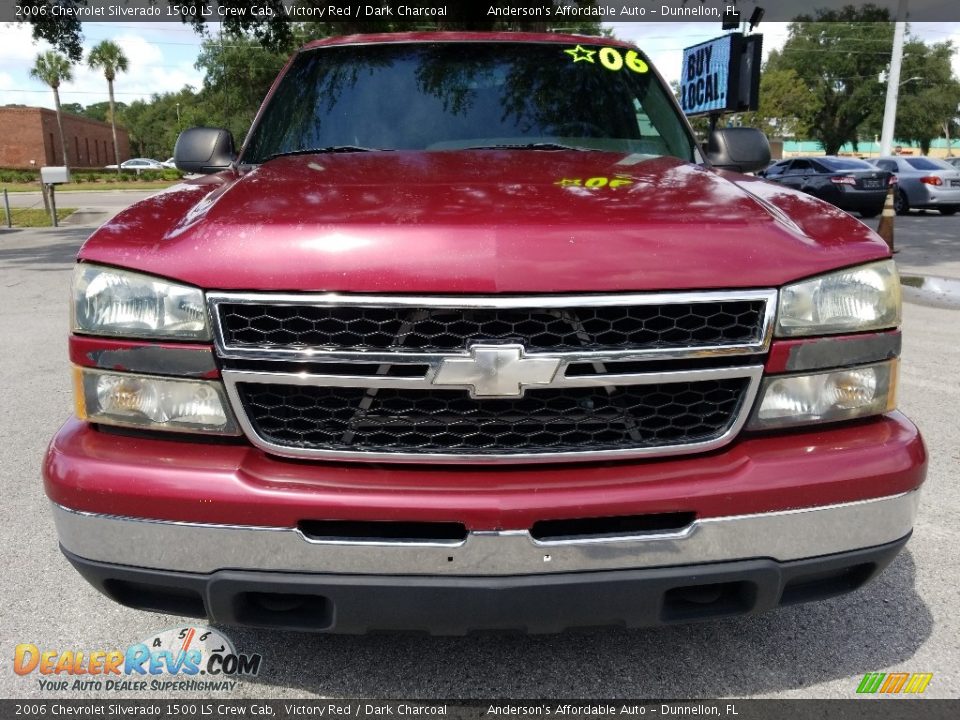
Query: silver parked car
[137,165]
[923,183]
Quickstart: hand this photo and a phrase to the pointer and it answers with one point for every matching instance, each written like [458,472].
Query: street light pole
[893,81]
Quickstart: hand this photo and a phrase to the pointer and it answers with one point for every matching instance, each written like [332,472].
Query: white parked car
[138,164]
[169,163]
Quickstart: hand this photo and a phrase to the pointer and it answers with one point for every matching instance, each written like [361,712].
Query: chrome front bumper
[198,548]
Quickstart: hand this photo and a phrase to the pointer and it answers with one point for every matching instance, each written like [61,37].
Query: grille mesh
[449,421]
[665,325]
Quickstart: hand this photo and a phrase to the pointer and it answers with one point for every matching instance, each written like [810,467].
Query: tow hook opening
[692,602]
[144,596]
[283,610]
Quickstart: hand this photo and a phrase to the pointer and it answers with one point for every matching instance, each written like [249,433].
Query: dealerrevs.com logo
[186,658]
[894,683]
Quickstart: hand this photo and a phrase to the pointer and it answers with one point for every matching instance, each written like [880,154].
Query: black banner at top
[479,12]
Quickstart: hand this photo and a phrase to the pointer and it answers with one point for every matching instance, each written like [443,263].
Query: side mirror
[739,149]
[204,150]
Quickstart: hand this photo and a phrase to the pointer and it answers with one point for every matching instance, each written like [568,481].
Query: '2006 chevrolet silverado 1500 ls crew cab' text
[472,334]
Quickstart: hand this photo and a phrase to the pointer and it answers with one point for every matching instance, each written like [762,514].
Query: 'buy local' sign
[721,75]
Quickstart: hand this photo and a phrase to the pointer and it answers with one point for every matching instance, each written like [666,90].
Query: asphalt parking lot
[905,621]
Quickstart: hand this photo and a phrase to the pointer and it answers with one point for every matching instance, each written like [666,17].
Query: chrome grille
[410,379]
[444,421]
[544,329]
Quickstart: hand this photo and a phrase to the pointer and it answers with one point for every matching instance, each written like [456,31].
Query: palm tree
[53,68]
[108,56]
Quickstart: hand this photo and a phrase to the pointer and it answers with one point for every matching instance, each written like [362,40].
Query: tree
[249,51]
[784,100]
[101,111]
[62,30]
[238,72]
[53,68]
[153,124]
[107,56]
[240,66]
[929,95]
[837,58]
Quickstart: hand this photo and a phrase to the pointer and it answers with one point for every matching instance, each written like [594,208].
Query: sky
[162,56]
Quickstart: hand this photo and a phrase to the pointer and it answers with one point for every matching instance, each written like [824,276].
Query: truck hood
[481,221]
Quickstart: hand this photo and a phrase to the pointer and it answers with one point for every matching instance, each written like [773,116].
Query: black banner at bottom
[360,709]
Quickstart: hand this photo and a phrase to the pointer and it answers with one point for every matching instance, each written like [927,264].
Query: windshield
[453,96]
[924,164]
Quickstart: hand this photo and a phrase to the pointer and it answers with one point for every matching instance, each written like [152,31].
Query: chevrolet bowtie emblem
[496,371]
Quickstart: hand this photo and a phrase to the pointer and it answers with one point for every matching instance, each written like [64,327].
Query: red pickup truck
[473,334]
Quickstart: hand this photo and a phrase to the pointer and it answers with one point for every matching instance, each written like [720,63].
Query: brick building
[29,139]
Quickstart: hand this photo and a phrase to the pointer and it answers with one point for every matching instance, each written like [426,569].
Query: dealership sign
[721,75]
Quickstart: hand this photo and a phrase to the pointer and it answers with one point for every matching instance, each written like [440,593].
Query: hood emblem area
[496,371]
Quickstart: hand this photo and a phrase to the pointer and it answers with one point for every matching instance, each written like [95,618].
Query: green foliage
[52,68]
[101,110]
[61,30]
[33,217]
[929,94]
[19,176]
[126,176]
[278,35]
[784,100]
[79,177]
[700,123]
[106,55]
[95,111]
[836,58]
[238,72]
[153,124]
[242,62]
[239,69]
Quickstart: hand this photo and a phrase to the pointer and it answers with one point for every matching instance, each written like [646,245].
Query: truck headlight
[791,400]
[852,300]
[108,301]
[150,402]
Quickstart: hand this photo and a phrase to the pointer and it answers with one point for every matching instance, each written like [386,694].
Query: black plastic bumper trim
[458,605]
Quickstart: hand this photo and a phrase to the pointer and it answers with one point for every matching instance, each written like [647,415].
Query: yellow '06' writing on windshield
[611,58]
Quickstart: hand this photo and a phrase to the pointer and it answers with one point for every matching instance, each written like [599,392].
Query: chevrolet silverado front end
[471,336]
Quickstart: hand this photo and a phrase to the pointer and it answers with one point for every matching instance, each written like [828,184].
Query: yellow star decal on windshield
[581,53]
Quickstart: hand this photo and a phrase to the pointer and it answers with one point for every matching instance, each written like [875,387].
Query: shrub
[94,175]
[19,176]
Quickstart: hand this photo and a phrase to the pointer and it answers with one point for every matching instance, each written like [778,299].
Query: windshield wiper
[529,146]
[322,150]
